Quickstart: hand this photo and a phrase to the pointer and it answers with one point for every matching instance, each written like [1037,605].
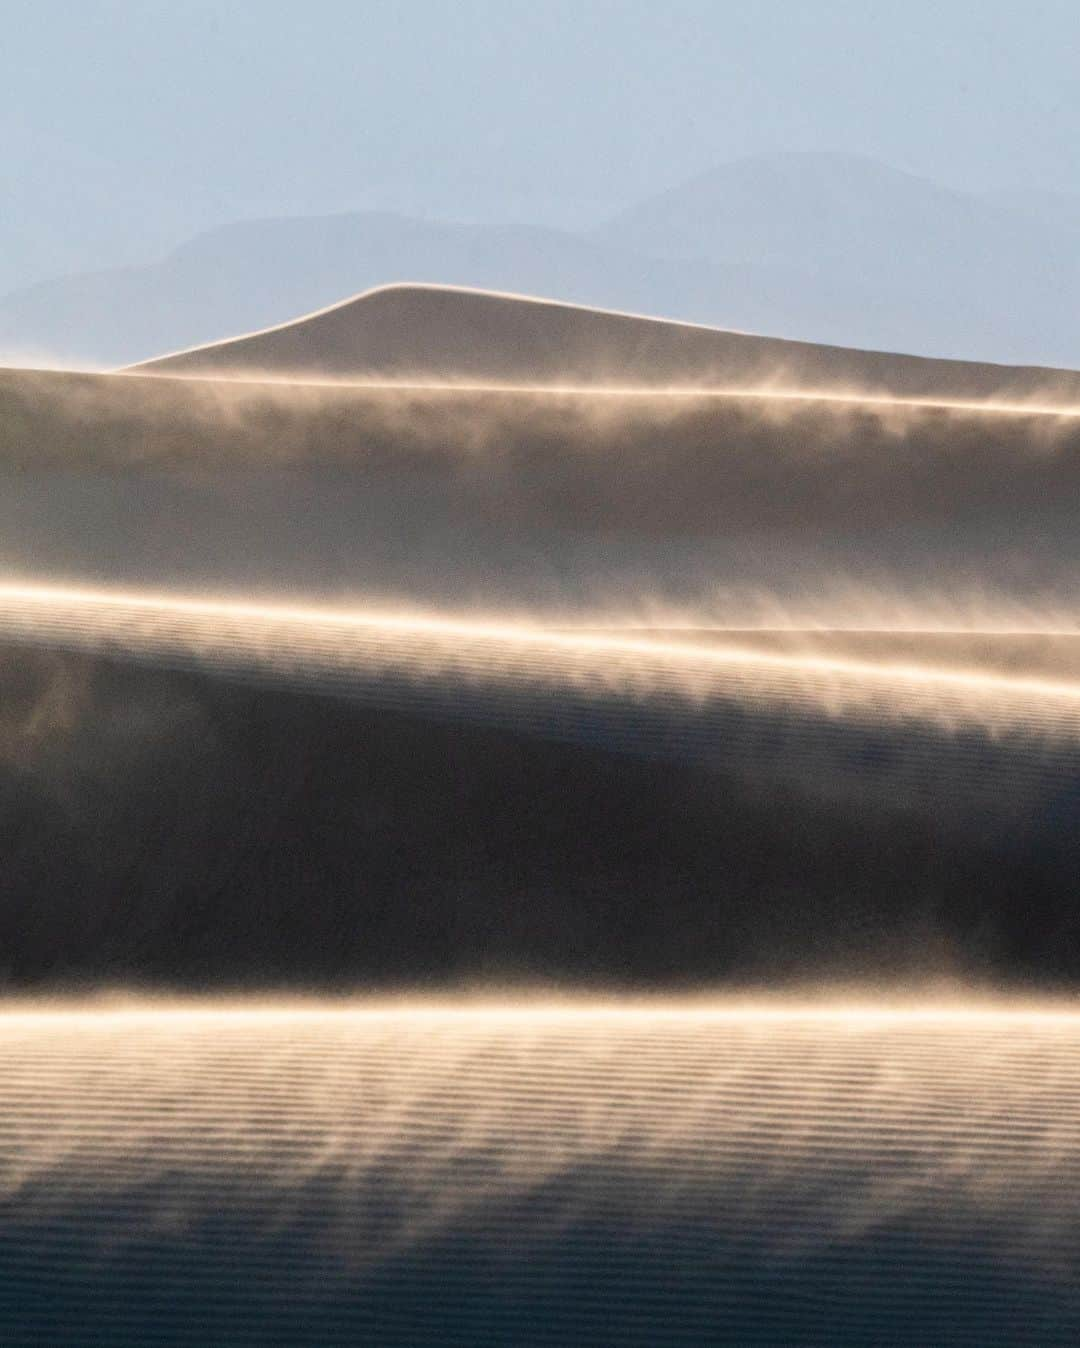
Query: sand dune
[747,510]
[217,794]
[444,332]
[651,685]
[540,1174]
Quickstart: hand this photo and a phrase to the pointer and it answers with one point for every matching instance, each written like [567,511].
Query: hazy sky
[127,124]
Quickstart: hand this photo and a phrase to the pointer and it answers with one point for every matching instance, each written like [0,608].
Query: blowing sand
[540,1173]
[592,746]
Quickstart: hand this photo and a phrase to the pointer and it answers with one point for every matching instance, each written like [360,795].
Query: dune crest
[455,334]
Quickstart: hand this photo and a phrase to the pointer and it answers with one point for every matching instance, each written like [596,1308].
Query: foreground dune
[510,1173]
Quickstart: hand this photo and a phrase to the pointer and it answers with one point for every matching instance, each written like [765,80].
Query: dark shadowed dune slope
[431,332]
[243,804]
[346,799]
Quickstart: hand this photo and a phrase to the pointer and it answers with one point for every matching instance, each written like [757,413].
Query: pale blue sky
[128,124]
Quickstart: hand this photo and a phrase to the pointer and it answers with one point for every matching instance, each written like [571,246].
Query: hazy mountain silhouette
[1061,208]
[250,275]
[70,208]
[815,210]
[998,275]
[828,248]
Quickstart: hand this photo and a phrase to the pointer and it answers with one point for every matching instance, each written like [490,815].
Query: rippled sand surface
[540,1172]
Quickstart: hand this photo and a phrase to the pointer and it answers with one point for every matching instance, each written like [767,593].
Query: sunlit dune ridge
[286,642]
[437,332]
[458,1171]
[766,392]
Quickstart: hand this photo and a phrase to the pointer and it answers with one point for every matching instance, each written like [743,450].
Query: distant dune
[447,333]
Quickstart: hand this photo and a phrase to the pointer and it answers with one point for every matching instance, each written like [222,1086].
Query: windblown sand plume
[494,656]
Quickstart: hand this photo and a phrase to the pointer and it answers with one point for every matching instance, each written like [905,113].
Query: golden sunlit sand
[290,642]
[764,393]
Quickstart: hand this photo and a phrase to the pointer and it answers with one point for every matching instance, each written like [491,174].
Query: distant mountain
[824,248]
[66,208]
[251,275]
[815,210]
[1060,209]
[447,333]
[995,276]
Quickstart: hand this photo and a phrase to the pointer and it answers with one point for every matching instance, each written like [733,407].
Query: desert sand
[449,333]
[526,825]
[507,1172]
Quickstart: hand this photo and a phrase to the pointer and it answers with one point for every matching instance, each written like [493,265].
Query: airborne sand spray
[733,508]
[938,681]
